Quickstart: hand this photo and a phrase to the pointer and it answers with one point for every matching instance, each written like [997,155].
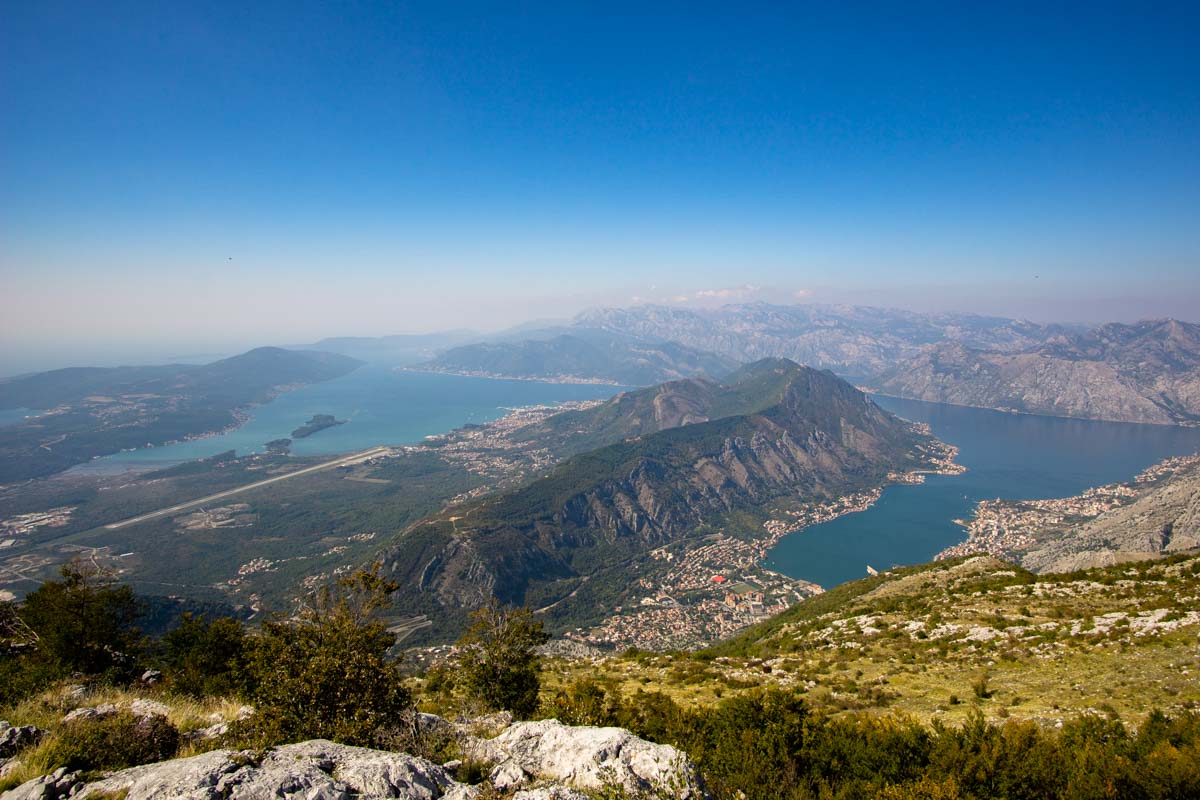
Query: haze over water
[381,406]
[1010,456]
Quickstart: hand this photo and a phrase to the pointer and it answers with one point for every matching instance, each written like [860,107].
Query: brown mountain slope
[1148,372]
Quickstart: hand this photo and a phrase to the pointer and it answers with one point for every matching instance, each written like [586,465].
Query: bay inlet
[1010,456]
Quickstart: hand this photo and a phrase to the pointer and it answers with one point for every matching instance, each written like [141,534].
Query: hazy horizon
[181,181]
[197,351]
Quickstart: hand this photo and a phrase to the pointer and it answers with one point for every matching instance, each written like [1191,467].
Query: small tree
[327,674]
[498,661]
[83,623]
[205,657]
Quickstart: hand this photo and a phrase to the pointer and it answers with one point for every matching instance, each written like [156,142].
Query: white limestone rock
[92,712]
[149,708]
[313,770]
[586,758]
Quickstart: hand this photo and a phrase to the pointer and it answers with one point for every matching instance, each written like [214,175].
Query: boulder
[556,792]
[313,770]
[92,712]
[149,708]
[215,731]
[57,784]
[14,739]
[586,758]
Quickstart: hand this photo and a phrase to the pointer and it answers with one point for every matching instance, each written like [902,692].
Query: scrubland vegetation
[966,679]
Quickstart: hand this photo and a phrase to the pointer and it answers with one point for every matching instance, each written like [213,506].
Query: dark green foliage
[83,623]
[327,674]
[203,657]
[113,742]
[767,745]
[498,663]
[584,702]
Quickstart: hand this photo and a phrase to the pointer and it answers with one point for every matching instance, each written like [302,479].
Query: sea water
[1009,456]
[380,406]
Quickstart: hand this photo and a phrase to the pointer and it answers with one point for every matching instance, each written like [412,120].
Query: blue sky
[221,173]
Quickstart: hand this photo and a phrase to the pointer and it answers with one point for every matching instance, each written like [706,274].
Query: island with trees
[319,422]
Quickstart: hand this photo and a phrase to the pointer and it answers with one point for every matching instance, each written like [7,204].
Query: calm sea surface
[380,406]
[1007,456]
[11,416]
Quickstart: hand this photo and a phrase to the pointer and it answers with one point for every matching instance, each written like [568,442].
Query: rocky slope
[1148,372]
[945,640]
[578,539]
[851,340]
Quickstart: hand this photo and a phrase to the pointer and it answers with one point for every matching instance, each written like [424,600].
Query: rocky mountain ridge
[575,540]
[851,340]
[1147,372]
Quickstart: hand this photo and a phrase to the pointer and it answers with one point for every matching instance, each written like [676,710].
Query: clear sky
[198,176]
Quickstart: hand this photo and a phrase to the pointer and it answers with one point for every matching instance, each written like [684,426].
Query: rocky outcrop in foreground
[585,757]
[543,760]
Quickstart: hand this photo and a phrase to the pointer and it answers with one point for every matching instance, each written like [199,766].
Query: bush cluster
[113,742]
[768,745]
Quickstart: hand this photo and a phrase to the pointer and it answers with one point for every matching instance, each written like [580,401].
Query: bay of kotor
[380,406]
[1011,456]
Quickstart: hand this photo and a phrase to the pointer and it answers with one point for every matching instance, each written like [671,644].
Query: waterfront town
[491,451]
[1006,528]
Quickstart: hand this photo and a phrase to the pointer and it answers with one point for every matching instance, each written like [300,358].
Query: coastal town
[1006,528]
[709,592]
[491,450]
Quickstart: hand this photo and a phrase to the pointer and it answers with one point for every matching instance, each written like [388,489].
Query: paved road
[353,458]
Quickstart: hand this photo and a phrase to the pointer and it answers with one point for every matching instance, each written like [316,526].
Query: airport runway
[340,461]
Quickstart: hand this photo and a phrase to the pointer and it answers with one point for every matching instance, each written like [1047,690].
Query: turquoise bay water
[381,407]
[1009,456]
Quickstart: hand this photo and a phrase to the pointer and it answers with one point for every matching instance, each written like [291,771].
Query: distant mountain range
[1148,372]
[674,462]
[580,353]
[853,341]
[392,351]
[95,411]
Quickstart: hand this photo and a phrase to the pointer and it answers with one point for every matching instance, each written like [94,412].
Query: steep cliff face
[803,434]
[1148,372]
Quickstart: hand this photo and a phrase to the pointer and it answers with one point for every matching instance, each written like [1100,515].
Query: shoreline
[1006,528]
[561,380]
[1017,412]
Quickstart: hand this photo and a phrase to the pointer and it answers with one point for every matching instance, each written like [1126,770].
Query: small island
[319,422]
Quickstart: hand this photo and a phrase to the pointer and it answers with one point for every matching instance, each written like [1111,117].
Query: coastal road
[341,461]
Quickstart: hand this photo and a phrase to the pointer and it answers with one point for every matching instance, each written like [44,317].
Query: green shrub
[327,675]
[584,702]
[83,623]
[206,658]
[113,742]
[498,662]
